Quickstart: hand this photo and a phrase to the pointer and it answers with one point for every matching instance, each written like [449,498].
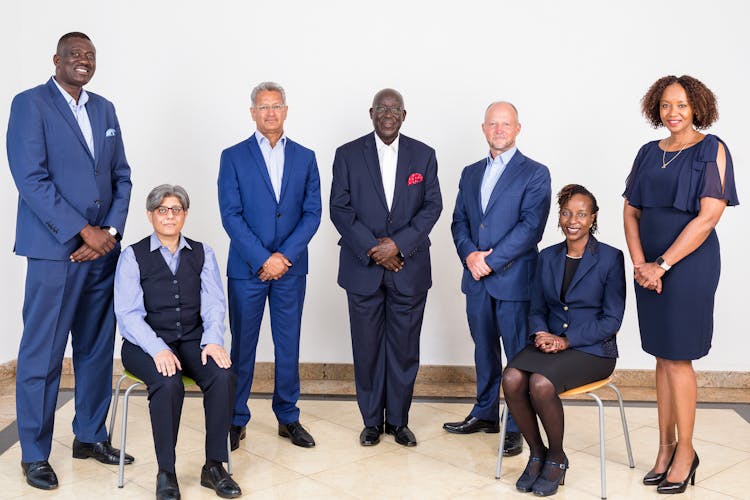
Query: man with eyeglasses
[67,159]
[385,199]
[269,196]
[501,210]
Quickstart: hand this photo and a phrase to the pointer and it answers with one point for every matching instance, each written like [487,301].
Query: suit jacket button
[481,226]
[565,308]
[178,323]
[565,325]
[278,214]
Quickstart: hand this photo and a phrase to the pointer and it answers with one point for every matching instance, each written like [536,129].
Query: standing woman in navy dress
[675,195]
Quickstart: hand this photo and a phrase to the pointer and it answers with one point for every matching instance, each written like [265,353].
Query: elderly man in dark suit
[385,199]
[501,210]
[66,155]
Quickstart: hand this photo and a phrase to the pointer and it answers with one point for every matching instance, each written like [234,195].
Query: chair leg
[125,400]
[602,464]
[229,455]
[115,400]
[631,462]
[503,423]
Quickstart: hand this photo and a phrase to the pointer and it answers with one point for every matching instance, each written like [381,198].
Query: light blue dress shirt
[80,114]
[274,158]
[131,312]
[492,172]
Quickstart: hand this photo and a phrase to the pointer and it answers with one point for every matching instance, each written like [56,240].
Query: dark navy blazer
[256,223]
[511,226]
[61,186]
[594,303]
[360,213]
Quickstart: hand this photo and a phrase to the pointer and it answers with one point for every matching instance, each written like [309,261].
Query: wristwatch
[111,230]
[662,263]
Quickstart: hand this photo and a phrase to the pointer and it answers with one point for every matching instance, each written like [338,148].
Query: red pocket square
[415,179]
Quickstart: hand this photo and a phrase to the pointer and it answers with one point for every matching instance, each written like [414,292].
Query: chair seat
[186,381]
[583,389]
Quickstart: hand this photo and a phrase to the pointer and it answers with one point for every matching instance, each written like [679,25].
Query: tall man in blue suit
[269,195]
[501,210]
[67,159]
[385,199]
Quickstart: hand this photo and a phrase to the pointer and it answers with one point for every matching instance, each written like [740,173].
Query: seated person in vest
[577,304]
[170,308]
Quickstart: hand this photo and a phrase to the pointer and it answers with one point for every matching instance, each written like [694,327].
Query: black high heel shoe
[527,479]
[543,487]
[669,488]
[654,478]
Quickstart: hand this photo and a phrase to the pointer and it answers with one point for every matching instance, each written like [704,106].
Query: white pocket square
[110,132]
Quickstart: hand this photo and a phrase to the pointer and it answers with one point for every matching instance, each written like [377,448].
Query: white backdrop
[180,75]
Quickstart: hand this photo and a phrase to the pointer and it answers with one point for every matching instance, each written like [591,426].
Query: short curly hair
[567,192]
[700,97]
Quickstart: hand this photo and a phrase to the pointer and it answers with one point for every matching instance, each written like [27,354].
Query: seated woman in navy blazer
[169,303]
[577,304]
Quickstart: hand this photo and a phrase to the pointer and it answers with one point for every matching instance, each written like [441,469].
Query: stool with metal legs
[588,390]
[126,375]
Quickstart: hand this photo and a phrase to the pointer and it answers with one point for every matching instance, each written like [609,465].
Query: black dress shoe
[668,488]
[216,477]
[297,434]
[403,435]
[513,444]
[370,436]
[101,451]
[236,434]
[166,486]
[654,478]
[471,425]
[40,475]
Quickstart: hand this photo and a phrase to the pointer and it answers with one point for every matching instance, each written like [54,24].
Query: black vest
[172,301]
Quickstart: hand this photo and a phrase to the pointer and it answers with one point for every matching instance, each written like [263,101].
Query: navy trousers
[491,320]
[63,297]
[166,394]
[247,302]
[385,329]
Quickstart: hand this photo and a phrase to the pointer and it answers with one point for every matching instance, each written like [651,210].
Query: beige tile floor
[441,466]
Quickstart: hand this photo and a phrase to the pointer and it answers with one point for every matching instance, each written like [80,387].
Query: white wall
[180,74]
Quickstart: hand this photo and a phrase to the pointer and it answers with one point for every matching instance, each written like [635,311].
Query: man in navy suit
[67,159]
[269,196]
[385,199]
[501,210]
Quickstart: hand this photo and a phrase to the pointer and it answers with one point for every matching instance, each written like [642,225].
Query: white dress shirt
[388,158]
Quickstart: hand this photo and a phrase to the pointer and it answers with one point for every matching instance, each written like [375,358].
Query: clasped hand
[548,342]
[477,264]
[274,267]
[648,275]
[96,242]
[386,254]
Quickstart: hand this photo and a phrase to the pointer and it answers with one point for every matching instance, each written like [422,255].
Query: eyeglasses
[162,210]
[264,108]
[381,110]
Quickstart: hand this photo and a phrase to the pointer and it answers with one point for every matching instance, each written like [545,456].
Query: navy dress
[678,324]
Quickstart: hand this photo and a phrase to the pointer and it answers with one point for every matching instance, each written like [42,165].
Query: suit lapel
[589,259]
[370,152]
[558,270]
[67,114]
[474,188]
[402,170]
[513,169]
[260,163]
[289,151]
[97,128]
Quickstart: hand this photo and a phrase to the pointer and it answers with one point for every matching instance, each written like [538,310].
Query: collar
[262,139]
[82,99]
[504,157]
[381,145]
[155,244]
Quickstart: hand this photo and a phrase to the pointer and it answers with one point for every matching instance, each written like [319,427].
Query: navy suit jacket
[256,223]
[61,187]
[594,302]
[511,226]
[360,213]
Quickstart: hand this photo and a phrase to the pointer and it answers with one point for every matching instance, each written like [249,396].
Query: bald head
[501,126]
[387,114]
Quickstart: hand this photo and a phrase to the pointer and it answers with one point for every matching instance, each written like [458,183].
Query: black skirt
[565,369]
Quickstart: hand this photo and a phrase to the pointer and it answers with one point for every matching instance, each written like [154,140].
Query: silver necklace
[664,161]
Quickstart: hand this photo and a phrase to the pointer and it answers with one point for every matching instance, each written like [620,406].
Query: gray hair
[268,86]
[157,195]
